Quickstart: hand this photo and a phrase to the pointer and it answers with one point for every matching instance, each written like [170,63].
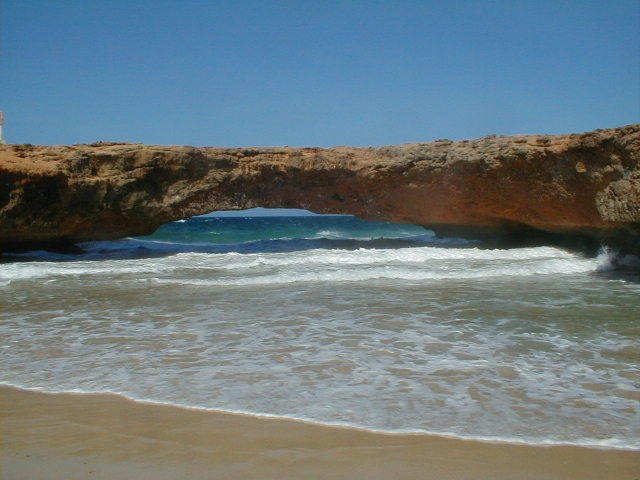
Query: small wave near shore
[380,327]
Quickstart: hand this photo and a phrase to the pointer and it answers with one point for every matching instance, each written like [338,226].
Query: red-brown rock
[581,185]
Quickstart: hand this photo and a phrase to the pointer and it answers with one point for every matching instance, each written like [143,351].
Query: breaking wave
[319,265]
[336,321]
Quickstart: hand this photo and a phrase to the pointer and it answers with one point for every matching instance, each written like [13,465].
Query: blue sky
[311,73]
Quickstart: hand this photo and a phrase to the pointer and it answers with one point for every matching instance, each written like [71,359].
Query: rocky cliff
[577,186]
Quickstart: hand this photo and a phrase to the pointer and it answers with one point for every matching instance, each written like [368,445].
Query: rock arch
[584,185]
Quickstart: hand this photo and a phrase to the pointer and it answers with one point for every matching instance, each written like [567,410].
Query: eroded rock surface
[585,185]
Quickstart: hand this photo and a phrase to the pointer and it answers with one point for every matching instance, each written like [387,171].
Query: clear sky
[314,72]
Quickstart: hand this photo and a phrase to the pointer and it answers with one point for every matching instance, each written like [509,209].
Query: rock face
[581,185]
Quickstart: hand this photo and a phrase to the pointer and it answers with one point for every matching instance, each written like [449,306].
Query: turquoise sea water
[335,320]
[286,232]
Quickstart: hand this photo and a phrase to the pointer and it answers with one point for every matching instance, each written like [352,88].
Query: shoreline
[346,426]
[74,435]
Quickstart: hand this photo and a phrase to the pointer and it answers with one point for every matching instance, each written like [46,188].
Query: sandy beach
[68,436]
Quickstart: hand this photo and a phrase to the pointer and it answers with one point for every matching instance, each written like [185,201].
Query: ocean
[339,321]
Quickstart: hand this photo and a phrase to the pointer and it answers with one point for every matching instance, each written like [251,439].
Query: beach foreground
[106,436]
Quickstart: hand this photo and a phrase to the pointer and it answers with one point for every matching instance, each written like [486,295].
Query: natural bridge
[580,186]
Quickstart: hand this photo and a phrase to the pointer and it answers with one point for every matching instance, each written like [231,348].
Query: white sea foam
[502,345]
[32,270]
[329,265]
[606,443]
[548,267]
[329,234]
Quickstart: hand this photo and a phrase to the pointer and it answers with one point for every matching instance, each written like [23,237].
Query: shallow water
[338,321]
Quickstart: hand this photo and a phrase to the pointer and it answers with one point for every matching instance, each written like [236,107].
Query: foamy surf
[608,444]
[396,335]
[413,264]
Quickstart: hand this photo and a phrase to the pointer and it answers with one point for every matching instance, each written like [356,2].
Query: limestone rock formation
[580,185]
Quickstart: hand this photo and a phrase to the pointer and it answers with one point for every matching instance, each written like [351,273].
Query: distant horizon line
[268,212]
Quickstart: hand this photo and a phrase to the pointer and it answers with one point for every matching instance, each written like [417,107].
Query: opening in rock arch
[274,229]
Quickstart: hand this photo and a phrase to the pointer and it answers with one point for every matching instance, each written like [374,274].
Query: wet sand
[67,436]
